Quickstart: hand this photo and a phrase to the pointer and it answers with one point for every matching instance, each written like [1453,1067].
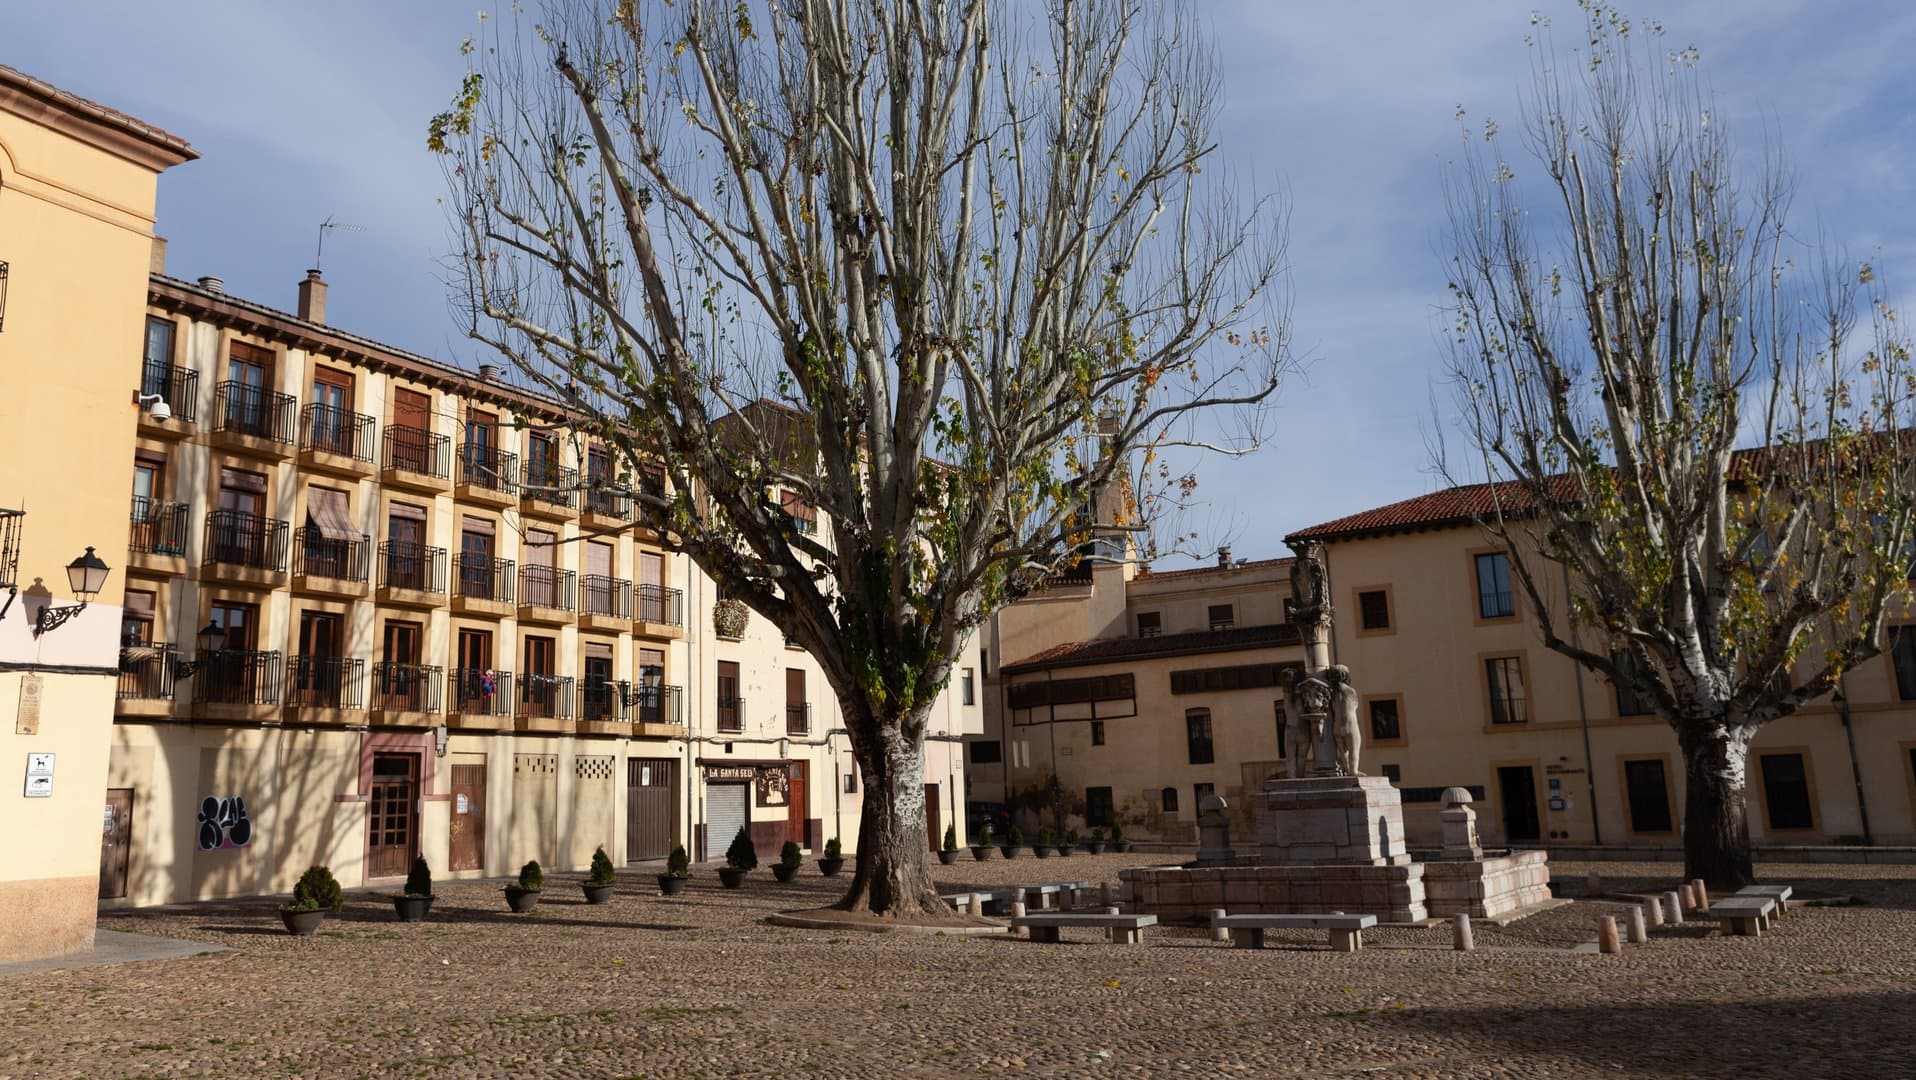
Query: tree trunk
[894,851]
[1716,824]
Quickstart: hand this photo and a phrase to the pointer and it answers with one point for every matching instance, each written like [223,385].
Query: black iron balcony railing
[237,538]
[603,595]
[482,577]
[488,467]
[661,605]
[655,703]
[731,714]
[805,526]
[798,717]
[399,687]
[548,587]
[254,410]
[545,696]
[333,430]
[316,555]
[159,528]
[418,451]
[479,692]
[147,672]
[613,504]
[600,699]
[406,565]
[546,482]
[327,682]
[237,677]
[178,386]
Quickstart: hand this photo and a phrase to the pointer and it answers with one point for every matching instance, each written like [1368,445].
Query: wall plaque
[27,720]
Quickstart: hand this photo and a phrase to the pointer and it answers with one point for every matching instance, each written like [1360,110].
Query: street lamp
[210,638]
[86,576]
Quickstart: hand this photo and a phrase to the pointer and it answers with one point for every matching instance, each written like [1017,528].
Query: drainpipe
[1583,721]
[1855,769]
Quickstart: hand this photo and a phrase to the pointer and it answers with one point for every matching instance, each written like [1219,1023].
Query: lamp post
[86,576]
[210,638]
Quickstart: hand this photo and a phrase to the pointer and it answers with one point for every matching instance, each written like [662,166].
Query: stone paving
[698,985]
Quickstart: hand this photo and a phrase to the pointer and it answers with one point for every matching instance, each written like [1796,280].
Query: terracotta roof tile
[1161,575]
[131,124]
[1110,650]
[1450,507]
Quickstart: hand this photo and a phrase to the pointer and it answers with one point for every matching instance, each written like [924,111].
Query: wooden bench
[1779,893]
[1247,931]
[1745,916]
[1123,929]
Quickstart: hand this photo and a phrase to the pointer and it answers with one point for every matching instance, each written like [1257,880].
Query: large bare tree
[1701,417]
[942,269]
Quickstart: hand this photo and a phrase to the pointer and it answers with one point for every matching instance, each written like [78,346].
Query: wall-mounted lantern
[86,575]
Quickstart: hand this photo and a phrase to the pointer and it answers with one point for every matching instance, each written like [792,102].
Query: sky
[303,112]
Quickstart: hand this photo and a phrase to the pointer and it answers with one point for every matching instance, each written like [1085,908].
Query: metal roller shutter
[725,815]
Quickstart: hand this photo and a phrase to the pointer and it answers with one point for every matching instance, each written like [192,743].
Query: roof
[1112,650]
[1449,508]
[136,139]
[1147,575]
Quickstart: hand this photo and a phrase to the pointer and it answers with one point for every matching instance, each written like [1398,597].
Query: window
[1786,791]
[1494,598]
[1373,610]
[1198,794]
[851,782]
[1168,800]
[798,711]
[1221,617]
[1097,807]
[1648,794]
[1902,657]
[1150,624]
[731,714]
[969,683]
[1505,680]
[1040,693]
[1629,701]
[1197,736]
[159,351]
[804,516]
[136,618]
[1393,773]
[1097,733]
[984,661]
[1242,677]
[1385,722]
[986,753]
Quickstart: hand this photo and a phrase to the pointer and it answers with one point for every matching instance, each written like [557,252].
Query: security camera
[160,412]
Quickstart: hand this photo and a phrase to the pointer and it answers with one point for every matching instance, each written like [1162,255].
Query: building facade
[78,184]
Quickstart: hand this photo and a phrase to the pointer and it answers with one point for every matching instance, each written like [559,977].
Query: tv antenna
[329,223]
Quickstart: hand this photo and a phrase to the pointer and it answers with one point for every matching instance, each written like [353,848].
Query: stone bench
[1247,931]
[1123,929]
[1745,916]
[1779,893]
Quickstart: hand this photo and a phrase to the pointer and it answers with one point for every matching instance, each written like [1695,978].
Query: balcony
[607,509]
[156,539]
[336,440]
[479,699]
[656,709]
[417,459]
[482,585]
[328,567]
[547,594]
[487,475]
[601,706]
[605,603]
[406,695]
[660,612]
[411,575]
[546,490]
[326,690]
[146,681]
[798,718]
[245,549]
[179,387]
[546,702]
[253,419]
[731,714]
[237,684]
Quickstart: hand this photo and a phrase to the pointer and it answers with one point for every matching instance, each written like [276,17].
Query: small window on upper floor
[1373,609]
[1222,617]
[1150,624]
[969,683]
[1495,600]
[1097,733]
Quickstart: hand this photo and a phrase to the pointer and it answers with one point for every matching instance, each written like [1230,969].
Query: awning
[598,558]
[478,526]
[326,511]
[403,510]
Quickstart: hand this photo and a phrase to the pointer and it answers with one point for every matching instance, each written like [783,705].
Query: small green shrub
[1097,835]
[789,855]
[742,855]
[951,837]
[1016,836]
[678,864]
[317,889]
[531,877]
[1117,833]
[1071,837]
[1044,834]
[602,872]
[419,878]
[984,836]
[832,849]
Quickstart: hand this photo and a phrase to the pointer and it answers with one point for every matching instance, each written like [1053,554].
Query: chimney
[489,372]
[312,298]
[156,259]
[212,284]
[1224,557]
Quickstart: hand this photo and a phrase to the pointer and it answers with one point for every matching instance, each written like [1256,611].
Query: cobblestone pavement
[699,985]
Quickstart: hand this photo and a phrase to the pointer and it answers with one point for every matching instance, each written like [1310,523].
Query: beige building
[78,183]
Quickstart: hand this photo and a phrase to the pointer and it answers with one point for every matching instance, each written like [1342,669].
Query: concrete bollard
[1702,894]
[1638,935]
[1594,885]
[1104,894]
[1112,910]
[1460,937]
[1018,912]
[1655,910]
[1218,933]
[1687,897]
[1672,909]
[1607,942]
[975,904]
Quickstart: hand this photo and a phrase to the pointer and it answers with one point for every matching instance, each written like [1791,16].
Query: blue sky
[305,111]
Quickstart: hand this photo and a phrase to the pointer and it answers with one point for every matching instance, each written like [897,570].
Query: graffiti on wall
[223,823]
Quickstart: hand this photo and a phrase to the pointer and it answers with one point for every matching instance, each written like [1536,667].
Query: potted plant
[948,854]
[598,883]
[787,865]
[981,847]
[833,860]
[1012,842]
[412,905]
[524,896]
[1118,843]
[678,867]
[316,896]
[1070,842]
[1095,845]
[730,617]
[739,858]
[1042,847]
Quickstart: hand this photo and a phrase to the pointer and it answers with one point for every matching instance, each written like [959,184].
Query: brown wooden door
[796,791]
[934,820]
[651,807]
[468,817]
[392,821]
[412,428]
[116,842]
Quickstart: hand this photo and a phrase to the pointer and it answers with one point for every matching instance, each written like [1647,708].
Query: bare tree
[943,269]
[1611,362]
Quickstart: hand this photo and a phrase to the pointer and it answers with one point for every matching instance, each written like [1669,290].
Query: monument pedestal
[1330,821]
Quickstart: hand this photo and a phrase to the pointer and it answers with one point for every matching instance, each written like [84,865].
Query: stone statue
[1344,732]
[1310,593]
[1300,726]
